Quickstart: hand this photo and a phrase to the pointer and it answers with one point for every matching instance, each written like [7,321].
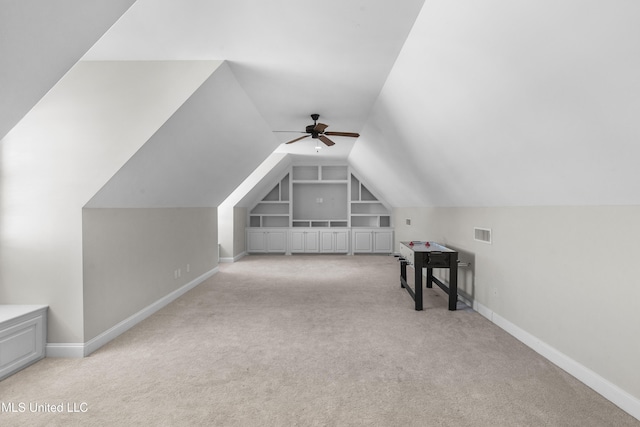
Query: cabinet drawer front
[21,344]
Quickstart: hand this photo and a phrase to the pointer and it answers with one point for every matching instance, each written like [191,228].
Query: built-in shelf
[366,210]
[274,208]
[305,173]
[320,196]
[320,174]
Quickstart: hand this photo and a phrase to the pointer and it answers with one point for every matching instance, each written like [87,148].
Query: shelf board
[319,181]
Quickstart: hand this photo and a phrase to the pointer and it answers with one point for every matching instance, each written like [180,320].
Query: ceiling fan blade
[320,127]
[326,140]
[297,139]
[352,134]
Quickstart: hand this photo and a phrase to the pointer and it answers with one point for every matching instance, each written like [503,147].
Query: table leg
[417,264]
[453,283]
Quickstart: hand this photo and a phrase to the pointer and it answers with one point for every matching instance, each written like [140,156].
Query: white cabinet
[266,241]
[383,241]
[372,241]
[304,241]
[23,336]
[334,241]
[362,241]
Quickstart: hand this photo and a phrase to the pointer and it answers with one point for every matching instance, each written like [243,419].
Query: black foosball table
[428,255]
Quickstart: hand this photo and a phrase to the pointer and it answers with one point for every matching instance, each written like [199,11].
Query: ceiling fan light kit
[317,131]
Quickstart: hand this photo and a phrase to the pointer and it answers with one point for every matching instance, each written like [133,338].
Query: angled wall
[59,156]
[134,257]
[158,214]
[199,156]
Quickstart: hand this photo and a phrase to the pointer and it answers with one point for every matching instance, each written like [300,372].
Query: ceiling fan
[317,131]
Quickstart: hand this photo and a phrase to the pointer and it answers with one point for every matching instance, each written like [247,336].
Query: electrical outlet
[188,268]
[408,221]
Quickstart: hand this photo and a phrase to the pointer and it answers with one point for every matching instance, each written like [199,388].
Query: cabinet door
[256,241]
[341,241]
[277,241]
[383,241]
[297,241]
[304,241]
[327,239]
[362,241]
[311,241]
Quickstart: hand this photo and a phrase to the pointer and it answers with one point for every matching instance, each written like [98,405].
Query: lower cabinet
[304,241]
[23,336]
[266,241]
[327,240]
[334,241]
[372,241]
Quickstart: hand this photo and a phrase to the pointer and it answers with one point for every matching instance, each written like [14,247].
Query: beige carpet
[308,340]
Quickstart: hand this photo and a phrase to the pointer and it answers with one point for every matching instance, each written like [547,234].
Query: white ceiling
[292,57]
[458,102]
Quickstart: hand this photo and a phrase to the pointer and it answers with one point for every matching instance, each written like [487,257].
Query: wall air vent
[482,235]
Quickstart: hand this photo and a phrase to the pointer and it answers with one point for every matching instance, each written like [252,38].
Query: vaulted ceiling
[458,103]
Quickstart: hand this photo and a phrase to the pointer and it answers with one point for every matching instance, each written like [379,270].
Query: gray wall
[130,258]
[239,225]
[565,275]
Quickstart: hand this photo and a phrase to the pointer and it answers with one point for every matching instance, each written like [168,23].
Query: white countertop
[11,311]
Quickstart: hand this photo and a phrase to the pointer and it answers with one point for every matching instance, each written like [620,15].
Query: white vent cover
[482,234]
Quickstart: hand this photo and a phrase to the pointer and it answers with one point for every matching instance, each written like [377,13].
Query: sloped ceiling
[499,103]
[199,156]
[292,57]
[85,129]
[40,41]
[489,103]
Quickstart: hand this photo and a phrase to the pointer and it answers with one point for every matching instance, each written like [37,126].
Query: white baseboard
[79,350]
[608,390]
[234,259]
[70,350]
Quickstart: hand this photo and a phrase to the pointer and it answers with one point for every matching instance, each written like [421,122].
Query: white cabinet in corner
[266,241]
[23,336]
[368,240]
[304,241]
[334,241]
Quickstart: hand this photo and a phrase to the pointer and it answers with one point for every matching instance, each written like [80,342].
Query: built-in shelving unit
[320,195]
[322,206]
[366,209]
[274,208]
